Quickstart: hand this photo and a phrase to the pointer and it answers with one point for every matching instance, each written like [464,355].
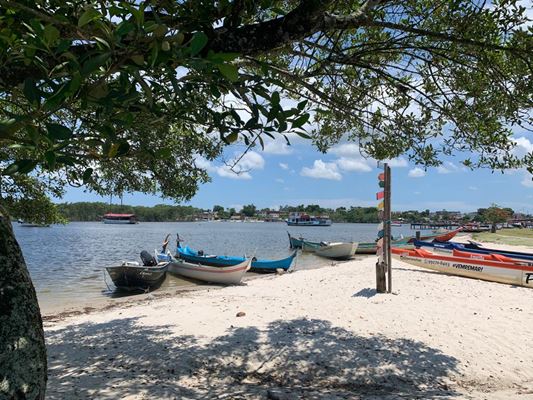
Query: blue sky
[299,174]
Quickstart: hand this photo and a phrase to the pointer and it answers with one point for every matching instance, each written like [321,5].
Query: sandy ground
[316,334]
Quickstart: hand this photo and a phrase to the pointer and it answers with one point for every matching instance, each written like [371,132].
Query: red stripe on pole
[380,195]
[381,176]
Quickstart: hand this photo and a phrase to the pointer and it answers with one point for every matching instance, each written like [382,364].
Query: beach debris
[240,314]
[280,271]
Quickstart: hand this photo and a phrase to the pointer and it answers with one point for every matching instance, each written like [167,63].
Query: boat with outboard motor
[134,276]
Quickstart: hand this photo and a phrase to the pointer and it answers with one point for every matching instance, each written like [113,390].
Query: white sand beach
[315,334]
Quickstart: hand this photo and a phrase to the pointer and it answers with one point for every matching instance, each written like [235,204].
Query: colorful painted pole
[384,264]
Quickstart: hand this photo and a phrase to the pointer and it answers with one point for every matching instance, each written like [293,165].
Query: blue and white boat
[193,256]
[473,247]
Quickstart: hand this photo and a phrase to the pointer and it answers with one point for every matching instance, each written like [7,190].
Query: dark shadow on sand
[309,359]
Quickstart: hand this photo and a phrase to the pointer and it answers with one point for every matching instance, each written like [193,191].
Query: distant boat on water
[303,219]
[32,224]
[111,218]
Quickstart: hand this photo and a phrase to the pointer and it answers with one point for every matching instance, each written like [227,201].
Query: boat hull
[263,266]
[495,271]
[474,249]
[137,277]
[118,222]
[310,223]
[338,251]
[221,275]
[442,237]
[366,248]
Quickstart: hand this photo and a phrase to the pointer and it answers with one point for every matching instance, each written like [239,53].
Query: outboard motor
[148,259]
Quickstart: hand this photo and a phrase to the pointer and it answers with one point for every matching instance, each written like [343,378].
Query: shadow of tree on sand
[287,359]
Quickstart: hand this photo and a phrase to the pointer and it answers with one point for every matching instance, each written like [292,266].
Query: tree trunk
[22,348]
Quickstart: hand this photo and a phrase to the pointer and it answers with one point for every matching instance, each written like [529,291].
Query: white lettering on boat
[441,263]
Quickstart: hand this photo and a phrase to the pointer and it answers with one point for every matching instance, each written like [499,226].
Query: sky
[299,174]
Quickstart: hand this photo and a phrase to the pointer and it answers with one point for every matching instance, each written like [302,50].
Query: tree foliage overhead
[123,95]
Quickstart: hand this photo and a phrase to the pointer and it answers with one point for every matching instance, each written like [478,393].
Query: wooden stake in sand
[384,266]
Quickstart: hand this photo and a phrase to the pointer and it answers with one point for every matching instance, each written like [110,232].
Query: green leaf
[123,148]
[138,59]
[198,42]
[8,127]
[165,152]
[21,167]
[58,132]
[124,28]
[50,158]
[89,15]
[230,71]
[275,99]
[300,121]
[30,91]
[51,34]
[94,63]
[87,175]
[165,45]
[303,134]
[232,137]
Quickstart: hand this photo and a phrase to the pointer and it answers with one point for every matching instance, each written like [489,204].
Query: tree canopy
[122,96]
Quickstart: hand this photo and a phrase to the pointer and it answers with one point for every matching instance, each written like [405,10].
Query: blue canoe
[192,256]
[474,248]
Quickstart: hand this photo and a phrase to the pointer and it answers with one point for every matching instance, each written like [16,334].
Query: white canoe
[225,275]
[336,250]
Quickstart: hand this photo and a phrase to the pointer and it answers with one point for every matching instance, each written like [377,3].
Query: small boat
[303,219]
[335,250]
[133,276]
[111,218]
[297,243]
[473,247]
[495,268]
[438,237]
[227,275]
[196,257]
[366,248]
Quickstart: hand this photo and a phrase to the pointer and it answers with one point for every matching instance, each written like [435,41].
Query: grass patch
[517,237]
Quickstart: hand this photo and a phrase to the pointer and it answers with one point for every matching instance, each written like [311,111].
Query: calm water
[67,262]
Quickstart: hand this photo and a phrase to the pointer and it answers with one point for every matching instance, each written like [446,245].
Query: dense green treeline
[93,211]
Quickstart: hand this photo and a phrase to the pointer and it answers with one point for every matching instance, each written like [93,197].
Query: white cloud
[226,172]
[278,147]
[447,168]
[279,180]
[416,173]
[322,170]
[472,187]
[346,150]
[352,159]
[398,162]
[351,164]
[528,180]
[417,193]
[523,146]
[283,165]
[250,161]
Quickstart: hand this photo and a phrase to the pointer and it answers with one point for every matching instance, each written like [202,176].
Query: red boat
[489,267]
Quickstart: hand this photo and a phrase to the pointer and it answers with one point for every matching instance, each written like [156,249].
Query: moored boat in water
[438,237]
[112,218]
[303,219]
[134,276]
[495,268]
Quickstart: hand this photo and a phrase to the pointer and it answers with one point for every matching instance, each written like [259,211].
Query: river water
[66,262]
